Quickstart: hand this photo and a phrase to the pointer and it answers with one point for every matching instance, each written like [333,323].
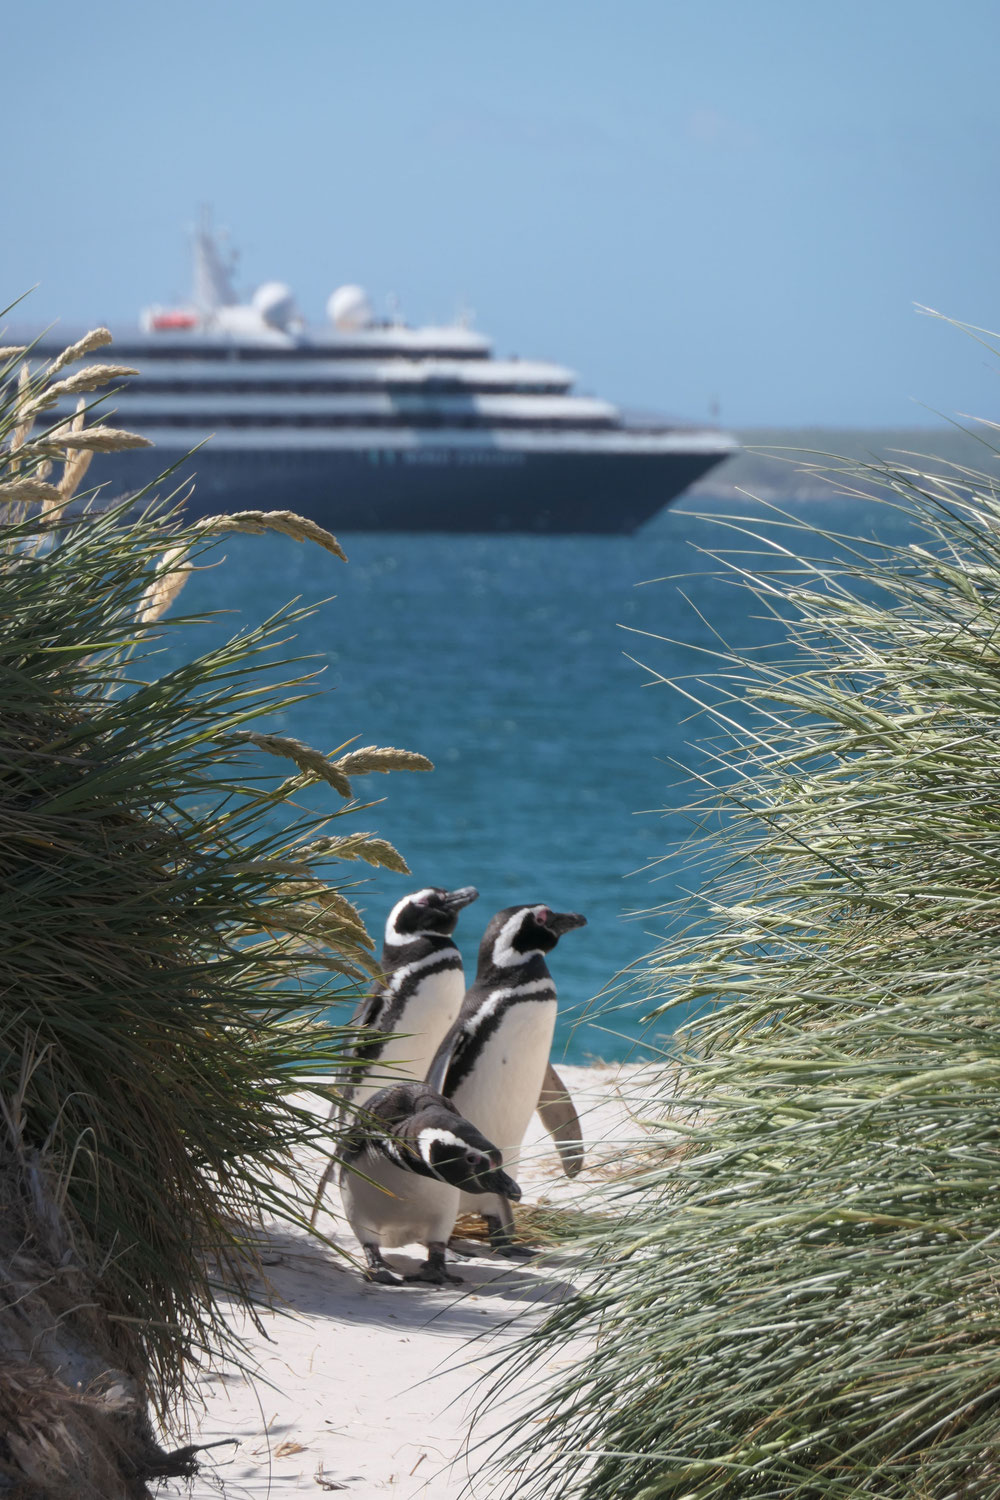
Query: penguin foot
[377,1270]
[502,1240]
[433,1269]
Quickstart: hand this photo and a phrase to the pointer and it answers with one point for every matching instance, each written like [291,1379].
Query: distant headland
[772,460]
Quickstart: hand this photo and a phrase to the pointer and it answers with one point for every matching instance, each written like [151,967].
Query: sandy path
[368,1390]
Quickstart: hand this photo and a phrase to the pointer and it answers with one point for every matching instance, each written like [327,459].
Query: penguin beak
[464,896]
[565,921]
[499,1182]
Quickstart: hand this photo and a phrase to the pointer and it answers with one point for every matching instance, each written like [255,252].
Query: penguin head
[422,1132]
[452,1149]
[432,910]
[518,933]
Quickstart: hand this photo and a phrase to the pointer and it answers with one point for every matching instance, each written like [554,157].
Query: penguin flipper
[367,1011]
[450,1049]
[558,1114]
[366,1017]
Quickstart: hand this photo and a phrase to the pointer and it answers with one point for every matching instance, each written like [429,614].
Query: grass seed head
[299,528]
[97,338]
[375,758]
[171,575]
[365,846]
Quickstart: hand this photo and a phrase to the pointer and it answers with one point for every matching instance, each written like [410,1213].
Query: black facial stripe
[434,914]
[530,965]
[418,946]
[481,1034]
[526,937]
[406,1158]
[450,959]
[399,997]
[394,1001]
[443,1152]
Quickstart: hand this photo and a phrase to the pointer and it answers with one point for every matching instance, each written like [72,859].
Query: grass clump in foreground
[168,949]
[804,1304]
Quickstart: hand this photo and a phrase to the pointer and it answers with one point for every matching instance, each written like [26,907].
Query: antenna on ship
[213,286]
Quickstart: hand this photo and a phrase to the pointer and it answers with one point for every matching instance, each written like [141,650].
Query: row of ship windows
[253,355]
[214,421]
[434,387]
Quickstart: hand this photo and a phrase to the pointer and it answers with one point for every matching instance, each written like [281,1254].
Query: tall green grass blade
[802,1301]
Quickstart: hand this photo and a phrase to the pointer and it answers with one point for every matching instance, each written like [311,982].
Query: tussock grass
[170,942]
[803,1304]
[539,1225]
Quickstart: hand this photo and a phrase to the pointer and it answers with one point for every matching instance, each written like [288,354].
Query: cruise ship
[369,424]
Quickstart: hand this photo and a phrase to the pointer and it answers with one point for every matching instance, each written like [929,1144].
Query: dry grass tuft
[254,522]
[299,528]
[536,1224]
[22,420]
[76,462]
[374,851]
[97,338]
[375,758]
[94,439]
[314,765]
[29,491]
[89,379]
[171,576]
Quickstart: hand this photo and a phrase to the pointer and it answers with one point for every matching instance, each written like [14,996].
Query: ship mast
[213,287]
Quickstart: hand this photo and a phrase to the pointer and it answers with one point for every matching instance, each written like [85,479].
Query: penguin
[420,998]
[494,1062]
[404,1163]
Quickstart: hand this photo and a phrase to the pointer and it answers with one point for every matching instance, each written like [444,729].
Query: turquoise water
[505,660]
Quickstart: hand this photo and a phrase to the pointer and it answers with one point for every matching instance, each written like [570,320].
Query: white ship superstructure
[364,424]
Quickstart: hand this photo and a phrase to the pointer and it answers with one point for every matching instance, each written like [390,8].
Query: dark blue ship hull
[419,489]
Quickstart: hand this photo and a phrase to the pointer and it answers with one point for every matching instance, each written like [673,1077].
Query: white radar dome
[349,307]
[274,303]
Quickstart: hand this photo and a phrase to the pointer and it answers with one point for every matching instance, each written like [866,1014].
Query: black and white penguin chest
[420,1002]
[494,1061]
[496,1080]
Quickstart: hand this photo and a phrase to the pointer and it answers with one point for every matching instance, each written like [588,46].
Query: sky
[727,205]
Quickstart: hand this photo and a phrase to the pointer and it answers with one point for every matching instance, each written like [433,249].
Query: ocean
[529,670]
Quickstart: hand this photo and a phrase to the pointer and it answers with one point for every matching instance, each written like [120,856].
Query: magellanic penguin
[404,1162]
[423,990]
[421,996]
[494,1062]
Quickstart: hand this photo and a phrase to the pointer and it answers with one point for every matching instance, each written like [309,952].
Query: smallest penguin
[405,1161]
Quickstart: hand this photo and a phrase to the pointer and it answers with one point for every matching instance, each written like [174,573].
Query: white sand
[369,1390]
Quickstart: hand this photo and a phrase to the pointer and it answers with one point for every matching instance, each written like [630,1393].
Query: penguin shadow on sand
[303,1277]
[491,1276]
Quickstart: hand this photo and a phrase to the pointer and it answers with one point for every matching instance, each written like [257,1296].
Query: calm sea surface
[506,661]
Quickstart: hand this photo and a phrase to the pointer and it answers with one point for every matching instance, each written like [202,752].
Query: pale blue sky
[683,201]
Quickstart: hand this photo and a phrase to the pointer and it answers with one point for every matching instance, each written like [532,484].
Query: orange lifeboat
[162,322]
